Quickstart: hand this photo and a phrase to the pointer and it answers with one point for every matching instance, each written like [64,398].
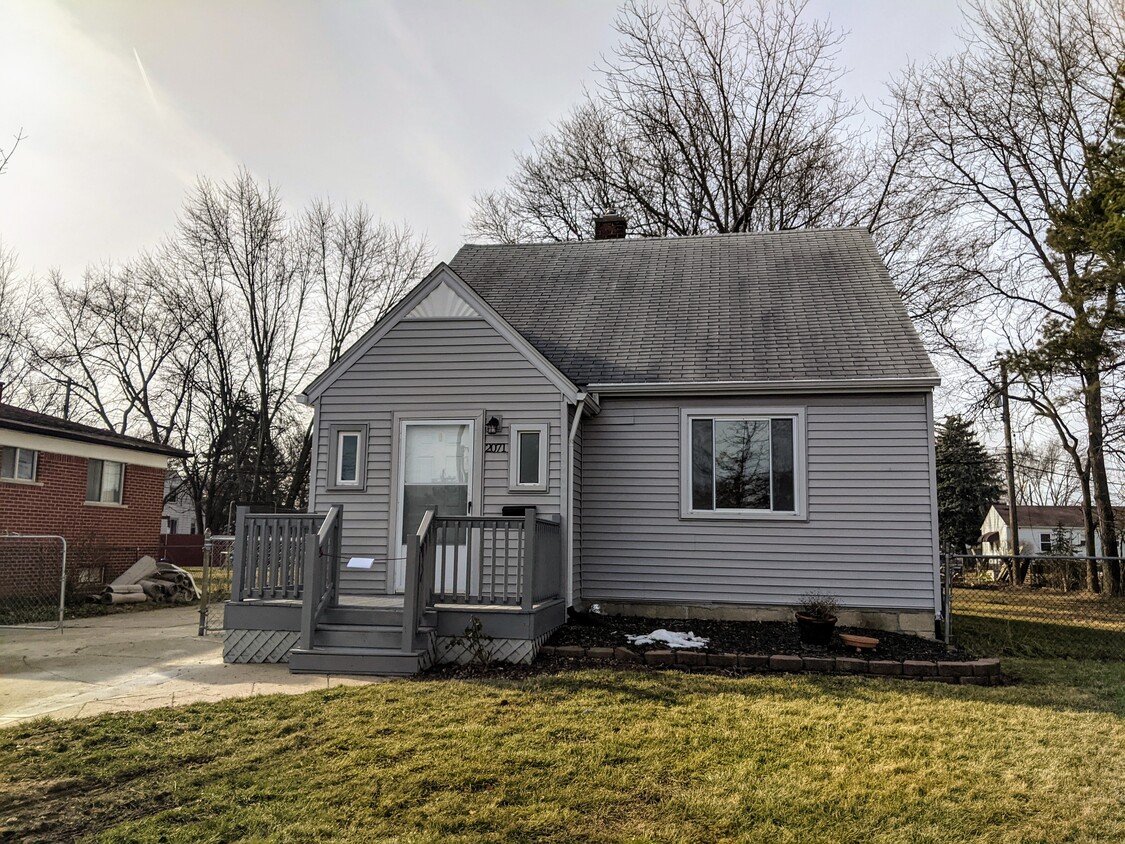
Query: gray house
[689,427]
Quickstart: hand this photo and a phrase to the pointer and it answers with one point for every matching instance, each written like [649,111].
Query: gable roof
[28,421]
[1049,516]
[441,294]
[773,307]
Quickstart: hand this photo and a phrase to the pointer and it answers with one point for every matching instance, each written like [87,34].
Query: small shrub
[818,605]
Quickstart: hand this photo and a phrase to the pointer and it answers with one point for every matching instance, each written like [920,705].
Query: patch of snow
[669,638]
[596,609]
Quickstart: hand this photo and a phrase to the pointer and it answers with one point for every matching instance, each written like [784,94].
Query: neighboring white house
[1037,526]
[178,516]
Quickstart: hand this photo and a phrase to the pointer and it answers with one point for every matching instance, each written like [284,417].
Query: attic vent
[609,227]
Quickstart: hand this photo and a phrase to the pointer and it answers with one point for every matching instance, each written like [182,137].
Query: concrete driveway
[131,661]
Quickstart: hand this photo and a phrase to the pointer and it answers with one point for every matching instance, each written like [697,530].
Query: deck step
[341,660]
[374,616]
[361,636]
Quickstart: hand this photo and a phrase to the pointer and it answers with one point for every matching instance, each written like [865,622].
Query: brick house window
[105,480]
[18,464]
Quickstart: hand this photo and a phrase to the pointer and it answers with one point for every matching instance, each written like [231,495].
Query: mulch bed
[734,648]
[746,637]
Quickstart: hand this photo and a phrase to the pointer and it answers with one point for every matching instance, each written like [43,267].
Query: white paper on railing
[361,562]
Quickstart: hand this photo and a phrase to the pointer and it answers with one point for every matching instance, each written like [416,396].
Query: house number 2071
[495,448]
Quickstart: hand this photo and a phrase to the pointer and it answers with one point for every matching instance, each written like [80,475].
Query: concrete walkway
[128,662]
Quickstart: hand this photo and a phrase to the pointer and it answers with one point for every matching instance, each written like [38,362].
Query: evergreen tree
[968,481]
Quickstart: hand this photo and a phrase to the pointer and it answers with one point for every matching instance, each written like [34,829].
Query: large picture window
[742,464]
[105,480]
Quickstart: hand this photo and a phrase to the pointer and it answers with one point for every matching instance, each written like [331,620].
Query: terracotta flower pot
[815,630]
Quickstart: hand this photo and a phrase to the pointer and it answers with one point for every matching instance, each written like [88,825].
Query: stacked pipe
[148,580]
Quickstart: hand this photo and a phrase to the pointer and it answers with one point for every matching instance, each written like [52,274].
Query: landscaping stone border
[980,672]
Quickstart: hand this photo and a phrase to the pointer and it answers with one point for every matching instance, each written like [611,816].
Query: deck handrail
[322,573]
[419,578]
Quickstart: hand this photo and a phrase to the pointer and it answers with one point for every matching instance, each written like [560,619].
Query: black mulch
[745,637]
[748,637]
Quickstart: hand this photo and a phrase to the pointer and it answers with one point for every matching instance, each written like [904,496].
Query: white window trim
[800,486]
[340,434]
[15,479]
[514,431]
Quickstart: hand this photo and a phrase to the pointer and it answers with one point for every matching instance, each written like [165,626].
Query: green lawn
[596,755]
[1039,623]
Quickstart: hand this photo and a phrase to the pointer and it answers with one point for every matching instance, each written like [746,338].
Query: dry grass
[595,755]
[1039,623]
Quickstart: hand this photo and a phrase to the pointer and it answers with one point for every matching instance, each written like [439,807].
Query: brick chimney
[609,226]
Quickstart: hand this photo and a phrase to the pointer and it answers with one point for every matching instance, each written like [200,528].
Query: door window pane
[438,465]
[528,457]
[742,464]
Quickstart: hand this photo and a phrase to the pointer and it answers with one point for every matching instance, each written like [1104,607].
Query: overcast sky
[410,107]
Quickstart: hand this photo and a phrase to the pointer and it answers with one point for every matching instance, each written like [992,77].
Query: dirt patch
[48,811]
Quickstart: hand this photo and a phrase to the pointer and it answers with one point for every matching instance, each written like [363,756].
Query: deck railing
[322,573]
[270,554]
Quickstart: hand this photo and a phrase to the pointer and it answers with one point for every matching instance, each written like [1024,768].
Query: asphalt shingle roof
[776,306]
[17,419]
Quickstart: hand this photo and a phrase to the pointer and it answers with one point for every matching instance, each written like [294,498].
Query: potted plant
[816,617]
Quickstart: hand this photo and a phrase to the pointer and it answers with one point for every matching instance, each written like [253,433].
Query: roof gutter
[743,388]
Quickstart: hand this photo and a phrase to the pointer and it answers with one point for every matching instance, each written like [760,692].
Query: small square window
[18,464]
[347,457]
[105,481]
[528,460]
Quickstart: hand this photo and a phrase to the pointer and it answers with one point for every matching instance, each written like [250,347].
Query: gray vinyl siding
[423,368]
[868,537]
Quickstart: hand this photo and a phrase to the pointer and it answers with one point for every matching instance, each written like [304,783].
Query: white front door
[436,470]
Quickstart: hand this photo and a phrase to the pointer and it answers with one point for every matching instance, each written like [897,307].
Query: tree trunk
[1100,480]
[1092,580]
[300,471]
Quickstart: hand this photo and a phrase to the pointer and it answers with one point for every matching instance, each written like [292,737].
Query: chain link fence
[1033,607]
[33,581]
[214,581]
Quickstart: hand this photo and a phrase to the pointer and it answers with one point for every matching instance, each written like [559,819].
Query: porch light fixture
[492,426]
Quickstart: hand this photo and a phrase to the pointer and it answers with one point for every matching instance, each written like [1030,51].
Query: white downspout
[580,405]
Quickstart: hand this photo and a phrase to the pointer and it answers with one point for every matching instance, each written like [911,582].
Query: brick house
[102,491]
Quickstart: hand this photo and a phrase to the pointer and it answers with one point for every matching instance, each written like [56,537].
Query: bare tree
[120,345]
[717,116]
[1045,475]
[710,117]
[7,153]
[15,317]
[1006,128]
[361,267]
[235,240]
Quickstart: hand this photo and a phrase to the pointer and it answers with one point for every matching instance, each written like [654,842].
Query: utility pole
[1009,465]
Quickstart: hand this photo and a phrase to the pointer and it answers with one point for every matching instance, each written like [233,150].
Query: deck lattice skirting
[980,672]
[454,649]
[259,646]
